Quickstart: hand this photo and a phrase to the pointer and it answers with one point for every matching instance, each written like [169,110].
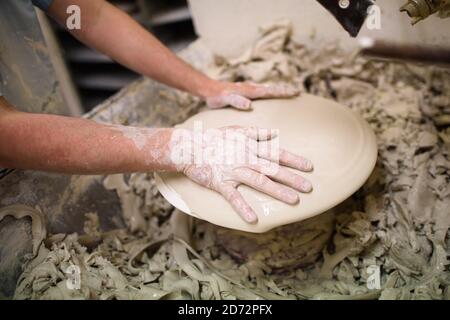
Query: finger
[265,134]
[233,196]
[269,150]
[283,175]
[293,180]
[259,134]
[292,160]
[262,183]
[234,100]
[262,91]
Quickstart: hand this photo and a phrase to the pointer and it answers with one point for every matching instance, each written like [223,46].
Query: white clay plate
[339,142]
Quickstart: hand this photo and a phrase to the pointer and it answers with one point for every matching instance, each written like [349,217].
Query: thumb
[233,100]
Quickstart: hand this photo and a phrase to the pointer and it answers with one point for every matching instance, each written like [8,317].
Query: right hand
[256,168]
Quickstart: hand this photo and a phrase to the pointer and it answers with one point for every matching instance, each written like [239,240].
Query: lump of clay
[284,248]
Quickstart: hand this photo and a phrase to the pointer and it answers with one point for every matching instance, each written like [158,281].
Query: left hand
[240,94]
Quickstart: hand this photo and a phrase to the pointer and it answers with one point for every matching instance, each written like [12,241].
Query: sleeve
[42,4]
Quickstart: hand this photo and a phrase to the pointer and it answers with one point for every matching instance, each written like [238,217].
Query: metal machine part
[351,14]
[419,10]
[379,49]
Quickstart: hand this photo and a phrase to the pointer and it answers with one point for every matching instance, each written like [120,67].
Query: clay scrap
[390,240]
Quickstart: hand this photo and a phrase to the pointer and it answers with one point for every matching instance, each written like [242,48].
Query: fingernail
[289,90]
[292,197]
[308,165]
[247,106]
[295,91]
[251,219]
[306,186]
[274,133]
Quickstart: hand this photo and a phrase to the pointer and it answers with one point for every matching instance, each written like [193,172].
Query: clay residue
[397,222]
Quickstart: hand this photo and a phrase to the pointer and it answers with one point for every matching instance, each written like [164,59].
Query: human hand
[232,156]
[240,94]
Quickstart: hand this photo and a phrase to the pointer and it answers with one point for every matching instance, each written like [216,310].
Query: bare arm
[114,33]
[80,146]
[77,146]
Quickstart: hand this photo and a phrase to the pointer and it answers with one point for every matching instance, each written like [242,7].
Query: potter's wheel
[339,142]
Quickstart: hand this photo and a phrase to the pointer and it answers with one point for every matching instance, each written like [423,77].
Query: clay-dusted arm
[78,146]
[113,32]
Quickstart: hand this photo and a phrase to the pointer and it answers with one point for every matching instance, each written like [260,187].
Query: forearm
[78,146]
[117,35]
